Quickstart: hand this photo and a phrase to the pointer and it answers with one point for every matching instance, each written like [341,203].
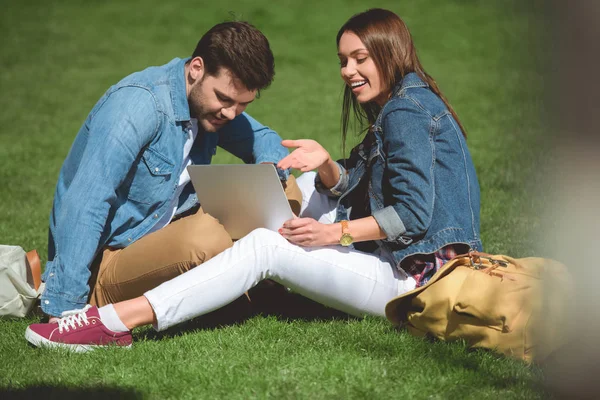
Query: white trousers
[348,280]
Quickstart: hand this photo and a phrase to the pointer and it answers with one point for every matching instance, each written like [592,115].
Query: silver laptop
[241,197]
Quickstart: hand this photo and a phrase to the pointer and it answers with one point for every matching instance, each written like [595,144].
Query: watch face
[346,239]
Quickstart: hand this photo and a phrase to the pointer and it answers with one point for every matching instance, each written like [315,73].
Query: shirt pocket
[369,153]
[153,178]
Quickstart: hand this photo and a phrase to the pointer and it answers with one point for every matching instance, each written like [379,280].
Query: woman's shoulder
[414,95]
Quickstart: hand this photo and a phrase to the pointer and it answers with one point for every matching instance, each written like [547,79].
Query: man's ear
[196,70]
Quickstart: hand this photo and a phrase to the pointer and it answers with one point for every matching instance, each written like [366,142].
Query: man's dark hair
[242,49]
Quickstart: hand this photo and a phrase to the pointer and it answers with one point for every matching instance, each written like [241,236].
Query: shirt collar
[410,80]
[181,108]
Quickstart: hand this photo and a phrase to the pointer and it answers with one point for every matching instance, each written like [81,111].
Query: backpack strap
[33,259]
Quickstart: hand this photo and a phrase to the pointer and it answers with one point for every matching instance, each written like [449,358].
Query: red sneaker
[81,331]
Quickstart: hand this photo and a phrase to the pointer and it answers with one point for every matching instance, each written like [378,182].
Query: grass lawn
[57,58]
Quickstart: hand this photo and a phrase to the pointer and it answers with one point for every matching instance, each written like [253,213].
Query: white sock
[111,320]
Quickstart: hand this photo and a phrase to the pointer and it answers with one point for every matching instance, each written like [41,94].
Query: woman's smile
[357,86]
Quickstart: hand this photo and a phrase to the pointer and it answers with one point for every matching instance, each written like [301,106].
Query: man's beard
[199,111]
[196,103]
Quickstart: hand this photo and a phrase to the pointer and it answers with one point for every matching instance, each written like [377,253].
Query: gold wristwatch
[346,239]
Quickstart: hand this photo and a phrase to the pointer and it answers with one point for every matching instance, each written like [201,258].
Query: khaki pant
[122,274]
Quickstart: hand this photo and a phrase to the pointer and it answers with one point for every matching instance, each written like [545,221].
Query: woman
[373,226]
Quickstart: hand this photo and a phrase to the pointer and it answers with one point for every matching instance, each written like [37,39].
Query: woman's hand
[307,156]
[308,232]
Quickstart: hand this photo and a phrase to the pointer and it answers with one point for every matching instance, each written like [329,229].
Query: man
[125,217]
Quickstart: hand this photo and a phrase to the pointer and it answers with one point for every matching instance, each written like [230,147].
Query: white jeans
[348,280]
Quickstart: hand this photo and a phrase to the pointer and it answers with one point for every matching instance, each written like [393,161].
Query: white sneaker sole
[40,341]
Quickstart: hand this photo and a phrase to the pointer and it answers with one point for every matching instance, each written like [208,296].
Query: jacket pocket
[152,178]
[368,154]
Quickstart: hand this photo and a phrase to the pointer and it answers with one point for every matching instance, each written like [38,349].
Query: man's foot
[81,331]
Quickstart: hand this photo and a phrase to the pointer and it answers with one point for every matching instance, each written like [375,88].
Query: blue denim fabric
[422,186]
[123,169]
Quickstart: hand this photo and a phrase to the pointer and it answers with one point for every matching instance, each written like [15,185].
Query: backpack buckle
[476,261]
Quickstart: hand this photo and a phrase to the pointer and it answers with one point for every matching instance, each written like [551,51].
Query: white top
[184,178]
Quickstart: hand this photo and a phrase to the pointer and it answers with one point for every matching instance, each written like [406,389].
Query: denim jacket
[123,170]
[417,170]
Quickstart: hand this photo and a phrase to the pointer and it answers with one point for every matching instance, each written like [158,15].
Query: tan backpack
[518,307]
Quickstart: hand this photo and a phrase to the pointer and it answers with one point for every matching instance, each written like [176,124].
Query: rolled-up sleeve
[339,188]
[252,142]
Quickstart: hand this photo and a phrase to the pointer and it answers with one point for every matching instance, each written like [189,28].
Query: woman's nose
[349,70]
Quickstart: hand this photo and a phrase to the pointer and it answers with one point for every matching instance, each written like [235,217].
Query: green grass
[56,60]
[267,357]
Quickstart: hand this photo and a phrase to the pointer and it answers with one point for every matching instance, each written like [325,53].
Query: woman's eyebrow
[353,52]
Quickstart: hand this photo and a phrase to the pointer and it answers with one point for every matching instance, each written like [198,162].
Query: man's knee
[293,194]
[206,238]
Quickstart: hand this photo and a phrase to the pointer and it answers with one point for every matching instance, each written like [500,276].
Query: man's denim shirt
[422,186]
[123,169]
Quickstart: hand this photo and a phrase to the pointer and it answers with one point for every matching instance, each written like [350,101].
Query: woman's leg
[138,312]
[351,281]
[315,280]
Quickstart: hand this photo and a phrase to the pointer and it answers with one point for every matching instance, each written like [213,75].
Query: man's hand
[307,156]
[308,232]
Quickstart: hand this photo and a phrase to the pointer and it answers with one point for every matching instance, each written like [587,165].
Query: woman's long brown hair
[390,45]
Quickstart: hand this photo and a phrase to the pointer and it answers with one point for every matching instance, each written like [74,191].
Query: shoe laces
[73,319]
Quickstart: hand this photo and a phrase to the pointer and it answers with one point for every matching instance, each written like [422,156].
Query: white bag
[19,281]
